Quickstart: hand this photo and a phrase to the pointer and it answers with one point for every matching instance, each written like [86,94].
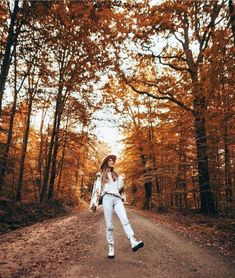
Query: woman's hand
[93,208]
[123,176]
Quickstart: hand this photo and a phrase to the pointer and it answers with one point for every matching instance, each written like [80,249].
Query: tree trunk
[206,197]
[9,138]
[55,151]
[7,55]
[181,180]
[62,156]
[49,156]
[24,149]
[61,167]
[40,155]
[148,195]
[232,18]
[147,185]
[152,151]
[228,178]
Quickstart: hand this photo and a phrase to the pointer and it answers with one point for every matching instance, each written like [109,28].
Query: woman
[108,190]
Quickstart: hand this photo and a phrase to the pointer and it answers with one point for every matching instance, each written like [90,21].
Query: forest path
[75,246]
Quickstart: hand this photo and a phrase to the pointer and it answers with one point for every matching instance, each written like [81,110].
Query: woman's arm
[121,187]
[92,205]
[121,182]
[94,195]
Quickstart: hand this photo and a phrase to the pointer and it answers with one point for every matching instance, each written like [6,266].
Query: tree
[185,24]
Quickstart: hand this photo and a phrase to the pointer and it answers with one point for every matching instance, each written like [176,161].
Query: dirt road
[75,246]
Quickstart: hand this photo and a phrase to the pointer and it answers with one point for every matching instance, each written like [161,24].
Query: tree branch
[170,97]
[160,57]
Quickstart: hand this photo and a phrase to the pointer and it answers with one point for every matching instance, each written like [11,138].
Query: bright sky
[106,128]
[112,136]
[107,131]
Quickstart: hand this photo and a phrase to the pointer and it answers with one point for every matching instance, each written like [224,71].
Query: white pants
[111,202]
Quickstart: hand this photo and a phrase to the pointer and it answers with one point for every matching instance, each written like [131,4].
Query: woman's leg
[107,203]
[121,213]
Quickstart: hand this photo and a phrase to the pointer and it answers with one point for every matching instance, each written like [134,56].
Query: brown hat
[107,158]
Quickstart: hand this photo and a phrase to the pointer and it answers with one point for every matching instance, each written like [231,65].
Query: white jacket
[96,196]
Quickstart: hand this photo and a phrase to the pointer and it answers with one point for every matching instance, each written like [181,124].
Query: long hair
[104,173]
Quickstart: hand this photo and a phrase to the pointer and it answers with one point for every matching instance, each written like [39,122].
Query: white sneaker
[135,245]
[111,251]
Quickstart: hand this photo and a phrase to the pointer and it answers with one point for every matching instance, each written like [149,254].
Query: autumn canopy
[158,74]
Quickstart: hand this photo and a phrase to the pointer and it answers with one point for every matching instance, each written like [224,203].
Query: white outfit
[98,190]
[111,187]
[112,195]
[110,203]
[112,200]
